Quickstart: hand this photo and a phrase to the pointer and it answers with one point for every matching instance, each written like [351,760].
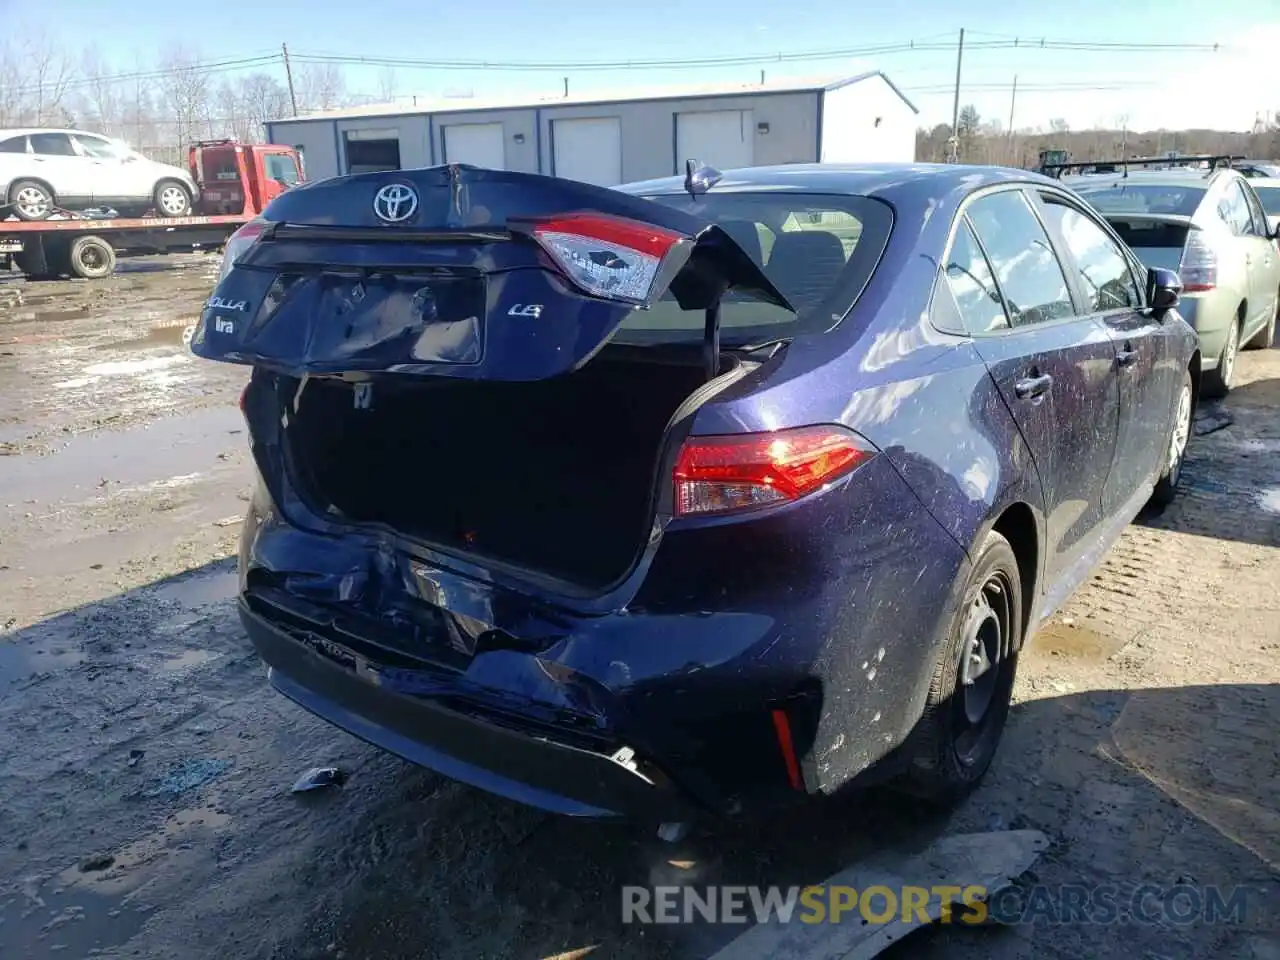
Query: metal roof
[424,106]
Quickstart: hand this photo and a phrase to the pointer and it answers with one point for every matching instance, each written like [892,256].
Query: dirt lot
[145,767]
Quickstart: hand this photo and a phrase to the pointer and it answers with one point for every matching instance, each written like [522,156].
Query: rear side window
[1233,210]
[972,284]
[52,145]
[1027,269]
[1108,281]
[819,250]
[14,145]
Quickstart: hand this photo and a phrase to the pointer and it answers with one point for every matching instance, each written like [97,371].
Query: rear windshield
[1162,198]
[818,249]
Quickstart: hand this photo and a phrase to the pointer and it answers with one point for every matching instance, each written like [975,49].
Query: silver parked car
[44,170]
[1211,228]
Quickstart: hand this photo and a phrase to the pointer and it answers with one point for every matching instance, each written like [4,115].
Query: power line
[922,45]
[911,46]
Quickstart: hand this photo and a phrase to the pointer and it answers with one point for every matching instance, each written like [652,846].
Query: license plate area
[406,318]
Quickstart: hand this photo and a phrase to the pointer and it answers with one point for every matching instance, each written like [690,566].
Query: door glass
[1255,211]
[971,283]
[280,166]
[14,145]
[1234,210]
[1030,277]
[99,148]
[1108,281]
[52,145]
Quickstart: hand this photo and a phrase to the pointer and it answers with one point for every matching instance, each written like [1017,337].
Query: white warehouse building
[618,139]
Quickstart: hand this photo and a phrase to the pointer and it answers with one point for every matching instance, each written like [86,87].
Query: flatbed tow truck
[236,181]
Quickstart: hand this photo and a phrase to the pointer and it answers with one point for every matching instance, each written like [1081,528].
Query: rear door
[1247,254]
[55,160]
[1109,292]
[1055,369]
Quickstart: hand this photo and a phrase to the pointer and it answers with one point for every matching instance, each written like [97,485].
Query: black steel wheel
[968,704]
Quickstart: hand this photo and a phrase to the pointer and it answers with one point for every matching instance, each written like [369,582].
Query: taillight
[238,244]
[608,256]
[1199,266]
[723,474]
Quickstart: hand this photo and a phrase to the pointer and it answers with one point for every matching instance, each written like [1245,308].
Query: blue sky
[1224,89]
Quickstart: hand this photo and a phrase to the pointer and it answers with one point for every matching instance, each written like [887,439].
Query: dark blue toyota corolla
[700,495]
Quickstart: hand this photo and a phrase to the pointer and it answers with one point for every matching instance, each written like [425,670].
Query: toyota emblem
[395,203]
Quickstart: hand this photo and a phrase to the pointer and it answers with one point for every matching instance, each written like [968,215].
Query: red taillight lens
[1199,266]
[244,396]
[607,256]
[238,243]
[724,474]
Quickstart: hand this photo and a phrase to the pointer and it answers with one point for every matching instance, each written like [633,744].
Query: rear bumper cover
[524,767]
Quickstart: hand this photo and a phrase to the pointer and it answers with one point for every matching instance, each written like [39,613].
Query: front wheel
[172,199]
[1179,434]
[972,688]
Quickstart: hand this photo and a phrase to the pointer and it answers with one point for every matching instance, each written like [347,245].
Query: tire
[964,717]
[1265,338]
[31,200]
[92,258]
[1175,453]
[1217,382]
[172,199]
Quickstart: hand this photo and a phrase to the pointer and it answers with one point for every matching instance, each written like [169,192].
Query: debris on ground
[188,776]
[135,756]
[96,862]
[317,778]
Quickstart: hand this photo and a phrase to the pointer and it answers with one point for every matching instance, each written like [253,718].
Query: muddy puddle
[1074,639]
[165,452]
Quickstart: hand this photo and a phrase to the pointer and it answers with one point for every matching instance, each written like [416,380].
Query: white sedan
[42,171]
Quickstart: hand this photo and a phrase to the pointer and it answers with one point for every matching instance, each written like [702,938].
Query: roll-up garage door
[588,149]
[479,144]
[725,139]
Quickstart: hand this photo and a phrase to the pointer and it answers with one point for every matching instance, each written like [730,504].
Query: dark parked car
[690,496]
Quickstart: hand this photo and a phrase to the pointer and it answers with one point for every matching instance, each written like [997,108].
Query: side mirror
[1164,290]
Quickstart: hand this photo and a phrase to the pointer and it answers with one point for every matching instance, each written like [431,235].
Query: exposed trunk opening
[551,475]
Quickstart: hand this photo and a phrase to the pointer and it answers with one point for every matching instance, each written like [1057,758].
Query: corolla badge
[395,203]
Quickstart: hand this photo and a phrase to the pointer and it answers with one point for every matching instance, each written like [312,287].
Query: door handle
[1127,356]
[1030,387]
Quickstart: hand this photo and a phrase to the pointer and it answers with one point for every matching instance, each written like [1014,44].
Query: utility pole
[1013,102]
[955,107]
[288,72]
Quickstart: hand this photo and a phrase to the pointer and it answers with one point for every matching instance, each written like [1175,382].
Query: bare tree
[320,86]
[101,98]
[387,84]
[185,90]
[261,98]
[51,73]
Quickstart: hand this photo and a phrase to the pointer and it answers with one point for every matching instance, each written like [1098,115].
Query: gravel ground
[145,767]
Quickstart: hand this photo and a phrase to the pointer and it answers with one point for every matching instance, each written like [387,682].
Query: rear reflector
[607,256]
[725,474]
[782,729]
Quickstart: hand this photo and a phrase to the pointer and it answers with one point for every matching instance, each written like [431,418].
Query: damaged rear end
[462,479]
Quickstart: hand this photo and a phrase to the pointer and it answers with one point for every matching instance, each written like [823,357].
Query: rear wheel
[972,687]
[1167,486]
[31,200]
[1266,337]
[172,199]
[1217,382]
[92,258]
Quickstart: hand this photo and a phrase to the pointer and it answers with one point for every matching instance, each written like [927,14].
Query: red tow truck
[236,181]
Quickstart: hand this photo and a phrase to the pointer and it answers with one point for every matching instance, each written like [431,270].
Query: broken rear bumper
[528,768]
